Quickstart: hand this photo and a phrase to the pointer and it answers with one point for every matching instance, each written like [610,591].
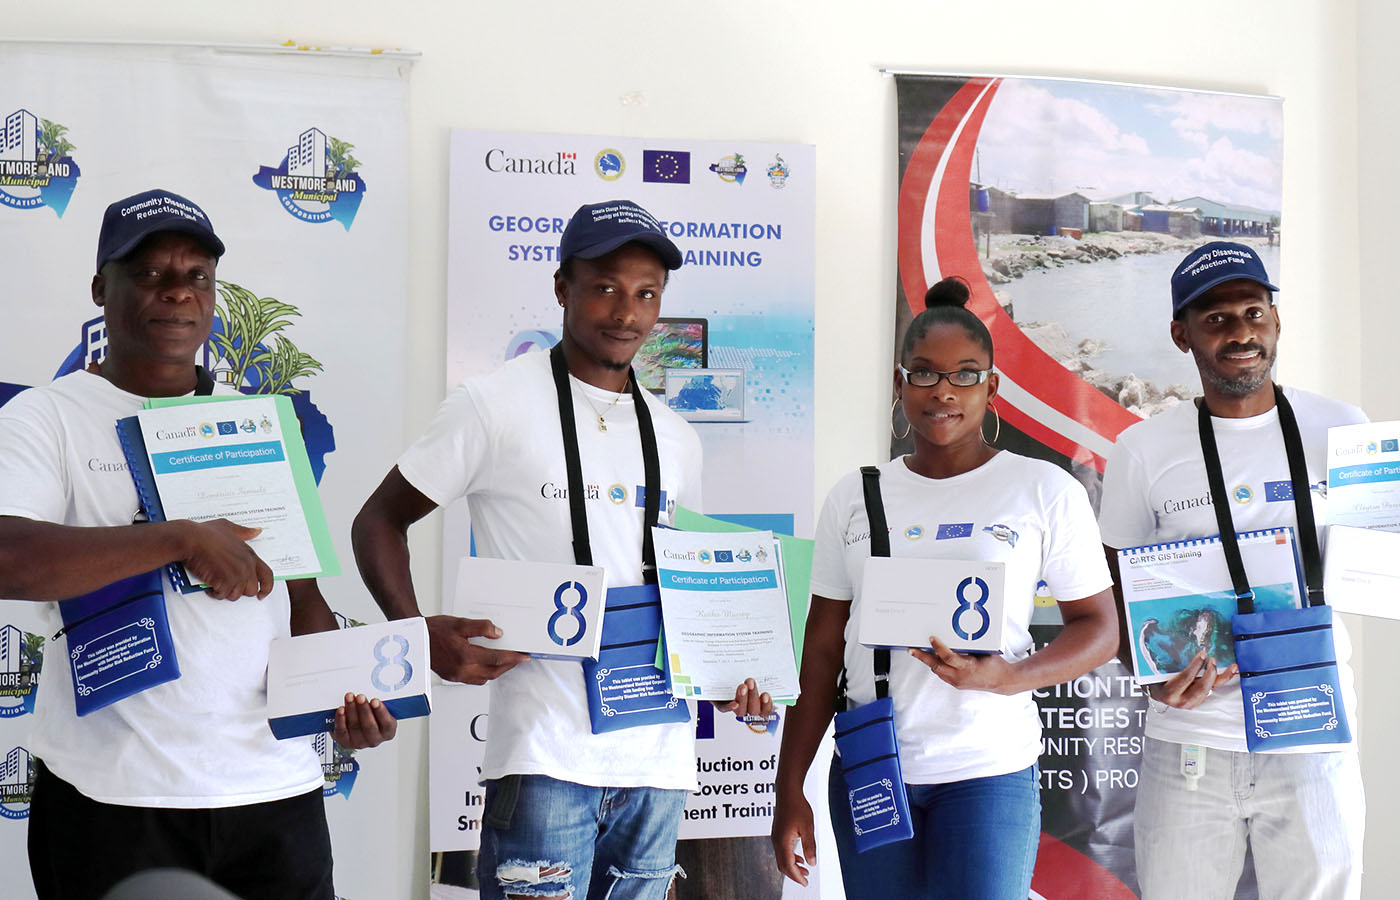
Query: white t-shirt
[1155,491]
[197,742]
[1027,513]
[496,440]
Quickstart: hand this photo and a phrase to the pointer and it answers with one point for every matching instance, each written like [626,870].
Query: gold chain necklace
[602,425]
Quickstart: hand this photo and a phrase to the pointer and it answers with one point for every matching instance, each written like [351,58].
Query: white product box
[904,600]
[549,610]
[1361,571]
[309,675]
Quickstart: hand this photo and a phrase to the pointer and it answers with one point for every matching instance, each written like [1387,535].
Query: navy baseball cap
[598,229]
[1212,264]
[129,222]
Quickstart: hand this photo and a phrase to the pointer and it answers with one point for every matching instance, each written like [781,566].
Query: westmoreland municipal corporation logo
[317,179]
[339,767]
[21,659]
[16,783]
[731,169]
[36,163]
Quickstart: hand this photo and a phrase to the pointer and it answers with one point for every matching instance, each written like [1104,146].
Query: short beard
[1233,387]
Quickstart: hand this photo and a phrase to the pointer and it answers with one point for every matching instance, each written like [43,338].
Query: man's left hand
[989,672]
[362,723]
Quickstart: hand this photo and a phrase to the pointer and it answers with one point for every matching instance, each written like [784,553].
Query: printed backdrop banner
[740,309]
[1065,206]
[300,160]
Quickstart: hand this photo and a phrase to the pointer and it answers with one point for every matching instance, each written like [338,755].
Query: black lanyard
[879,546]
[1302,504]
[651,466]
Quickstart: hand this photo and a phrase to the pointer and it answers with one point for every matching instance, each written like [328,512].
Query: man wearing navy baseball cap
[185,774]
[1202,797]
[569,811]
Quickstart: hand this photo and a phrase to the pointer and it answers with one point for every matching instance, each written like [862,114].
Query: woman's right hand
[792,822]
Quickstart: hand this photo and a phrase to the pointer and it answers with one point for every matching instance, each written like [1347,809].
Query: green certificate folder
[236,457]
[797,570]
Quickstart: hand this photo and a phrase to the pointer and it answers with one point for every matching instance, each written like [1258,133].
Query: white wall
[807,71]
[1378,135]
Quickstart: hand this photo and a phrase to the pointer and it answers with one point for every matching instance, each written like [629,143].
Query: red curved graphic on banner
[1018,357]
[1063,873]
[914,188]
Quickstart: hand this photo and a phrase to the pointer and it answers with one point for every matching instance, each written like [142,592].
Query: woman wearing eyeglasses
[967,727]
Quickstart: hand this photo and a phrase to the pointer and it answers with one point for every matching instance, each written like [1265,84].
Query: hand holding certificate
[240,459]
[726,614]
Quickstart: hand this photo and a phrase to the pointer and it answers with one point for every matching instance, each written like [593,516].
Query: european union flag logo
[666,166]
[641,494]
[228,428]
[724,556]
[954,530]
[1390,446]
[1278,491]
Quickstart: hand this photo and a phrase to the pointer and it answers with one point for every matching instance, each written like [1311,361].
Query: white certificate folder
[309,675]
[905,600]
[548,610]
[1179,599]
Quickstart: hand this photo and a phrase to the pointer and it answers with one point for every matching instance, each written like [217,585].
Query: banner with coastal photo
[1065,205]
[737,316]
[300,160]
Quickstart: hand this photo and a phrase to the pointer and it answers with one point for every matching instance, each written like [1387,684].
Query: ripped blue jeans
[542,837]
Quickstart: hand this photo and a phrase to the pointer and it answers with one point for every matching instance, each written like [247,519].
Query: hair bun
[951,291]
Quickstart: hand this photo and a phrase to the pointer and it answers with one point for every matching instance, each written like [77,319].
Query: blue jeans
[973,840]
[542,837]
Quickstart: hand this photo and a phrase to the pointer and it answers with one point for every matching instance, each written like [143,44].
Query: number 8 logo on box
[400,659]
[572,611]
[978,606]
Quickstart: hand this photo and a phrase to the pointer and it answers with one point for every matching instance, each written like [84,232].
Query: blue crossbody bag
[625,688]
[1287,659]
[865,736]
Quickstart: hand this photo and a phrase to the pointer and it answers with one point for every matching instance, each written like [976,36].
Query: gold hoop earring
[997,434]
[897,436]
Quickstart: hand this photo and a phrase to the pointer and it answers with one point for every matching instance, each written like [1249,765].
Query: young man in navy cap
[1301,813]
[568,813]
[184,774]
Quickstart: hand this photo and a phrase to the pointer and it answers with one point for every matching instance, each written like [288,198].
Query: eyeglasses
[929,378]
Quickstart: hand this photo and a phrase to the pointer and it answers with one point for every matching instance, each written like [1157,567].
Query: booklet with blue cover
[118,641]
